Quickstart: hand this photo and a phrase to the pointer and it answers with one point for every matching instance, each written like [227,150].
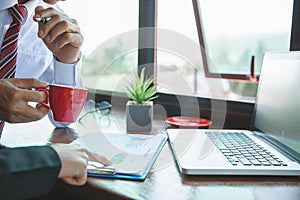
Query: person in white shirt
[49,52]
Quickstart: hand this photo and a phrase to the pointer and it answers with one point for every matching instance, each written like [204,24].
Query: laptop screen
[277,110]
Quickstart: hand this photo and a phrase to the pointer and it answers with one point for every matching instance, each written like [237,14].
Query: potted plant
[139,109]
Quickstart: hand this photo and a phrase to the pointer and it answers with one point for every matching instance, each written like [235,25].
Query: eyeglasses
[91,106]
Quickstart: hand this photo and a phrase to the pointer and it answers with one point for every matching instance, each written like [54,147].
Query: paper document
[130,154]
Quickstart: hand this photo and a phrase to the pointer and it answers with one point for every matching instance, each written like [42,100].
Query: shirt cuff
[67,74]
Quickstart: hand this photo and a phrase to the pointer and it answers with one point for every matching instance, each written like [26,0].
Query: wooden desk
[163,182]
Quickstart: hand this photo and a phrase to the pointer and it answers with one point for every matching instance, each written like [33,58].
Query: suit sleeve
[28,172]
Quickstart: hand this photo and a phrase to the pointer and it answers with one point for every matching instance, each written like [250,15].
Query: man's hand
[14,97]
[74,159]
[60,34]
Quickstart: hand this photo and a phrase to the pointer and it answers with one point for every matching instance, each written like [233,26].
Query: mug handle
[46,102]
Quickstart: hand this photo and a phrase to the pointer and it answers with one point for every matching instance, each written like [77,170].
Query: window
[231,33]
[110,30]
[111,49]
[251,28]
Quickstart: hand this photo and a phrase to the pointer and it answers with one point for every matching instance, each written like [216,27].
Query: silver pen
[42,20]
[98,168]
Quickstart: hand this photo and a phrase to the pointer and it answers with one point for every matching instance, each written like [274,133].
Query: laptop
[271,147]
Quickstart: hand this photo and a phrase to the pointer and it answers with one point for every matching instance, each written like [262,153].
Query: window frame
[147,37]
[251,77]
[295,32]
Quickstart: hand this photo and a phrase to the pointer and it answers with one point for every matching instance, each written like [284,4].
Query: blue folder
[145,148]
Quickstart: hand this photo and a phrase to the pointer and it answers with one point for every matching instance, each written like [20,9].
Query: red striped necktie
[8,54]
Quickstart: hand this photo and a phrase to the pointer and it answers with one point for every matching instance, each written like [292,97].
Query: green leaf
[141,89]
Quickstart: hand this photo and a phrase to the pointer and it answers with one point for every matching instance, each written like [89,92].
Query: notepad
[132,155]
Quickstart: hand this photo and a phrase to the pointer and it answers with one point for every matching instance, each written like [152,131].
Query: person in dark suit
[29,172]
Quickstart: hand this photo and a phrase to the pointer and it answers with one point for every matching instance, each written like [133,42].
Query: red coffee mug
[65,102]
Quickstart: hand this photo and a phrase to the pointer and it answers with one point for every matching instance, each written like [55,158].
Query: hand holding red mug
[15,96]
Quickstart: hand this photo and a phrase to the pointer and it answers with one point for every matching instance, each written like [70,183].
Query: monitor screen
[277,110]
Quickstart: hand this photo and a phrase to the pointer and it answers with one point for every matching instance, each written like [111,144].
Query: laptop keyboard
[238,148]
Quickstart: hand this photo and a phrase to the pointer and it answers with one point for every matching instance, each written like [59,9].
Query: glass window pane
[179,62]
[110,39]
[176,25]
[234,31]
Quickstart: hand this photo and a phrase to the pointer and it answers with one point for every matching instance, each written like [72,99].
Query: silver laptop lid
[277,109]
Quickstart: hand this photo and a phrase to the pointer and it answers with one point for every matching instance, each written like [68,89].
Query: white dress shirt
[34,59]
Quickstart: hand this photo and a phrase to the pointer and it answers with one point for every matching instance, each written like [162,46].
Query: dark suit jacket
[27,172]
